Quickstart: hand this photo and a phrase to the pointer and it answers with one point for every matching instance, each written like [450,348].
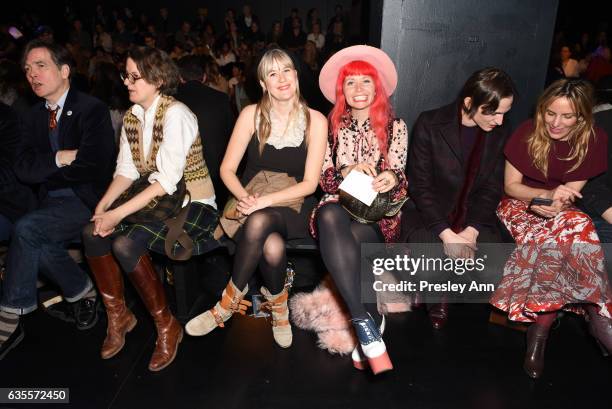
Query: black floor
[469,364]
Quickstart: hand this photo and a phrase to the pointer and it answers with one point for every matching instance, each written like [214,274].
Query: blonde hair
[580,94]
[271,58]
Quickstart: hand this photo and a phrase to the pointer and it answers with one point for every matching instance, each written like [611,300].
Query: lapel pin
[68,113]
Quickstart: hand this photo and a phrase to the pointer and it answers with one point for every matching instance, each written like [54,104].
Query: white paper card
[359,185]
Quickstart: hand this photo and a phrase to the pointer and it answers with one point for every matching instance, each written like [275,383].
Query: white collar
[60,102]
[139,111]
[291,136]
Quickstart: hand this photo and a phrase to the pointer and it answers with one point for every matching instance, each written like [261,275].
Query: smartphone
[15,33]
[540,201]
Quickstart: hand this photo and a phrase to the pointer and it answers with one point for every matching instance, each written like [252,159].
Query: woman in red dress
[559,263]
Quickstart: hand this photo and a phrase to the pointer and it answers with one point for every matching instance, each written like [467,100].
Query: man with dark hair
[215,118]
[456,171]
[68,151]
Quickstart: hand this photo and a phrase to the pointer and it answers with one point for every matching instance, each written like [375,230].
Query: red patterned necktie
[52,117]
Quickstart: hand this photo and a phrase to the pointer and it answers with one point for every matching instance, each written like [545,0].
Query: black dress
[290,160]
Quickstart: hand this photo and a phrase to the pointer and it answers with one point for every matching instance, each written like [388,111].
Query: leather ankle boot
[537,336]
[231,301]
[277,305]
[600,328]
[169,331]
[109,280]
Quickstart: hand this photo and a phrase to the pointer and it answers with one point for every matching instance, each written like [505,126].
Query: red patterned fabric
[559,264]
[52,117]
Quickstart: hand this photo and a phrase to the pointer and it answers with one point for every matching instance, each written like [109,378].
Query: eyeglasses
[129,76]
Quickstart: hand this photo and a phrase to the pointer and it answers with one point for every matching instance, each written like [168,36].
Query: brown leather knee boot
[169,331]
[108,278]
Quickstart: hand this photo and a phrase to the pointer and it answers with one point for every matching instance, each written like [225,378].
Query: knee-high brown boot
[108,278]
[169,331]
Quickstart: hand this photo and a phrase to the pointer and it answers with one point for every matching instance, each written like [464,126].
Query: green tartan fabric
[200,225]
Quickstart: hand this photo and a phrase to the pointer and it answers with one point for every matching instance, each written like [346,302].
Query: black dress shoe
[12,341]
[54,304]
[62,310]
[86,312]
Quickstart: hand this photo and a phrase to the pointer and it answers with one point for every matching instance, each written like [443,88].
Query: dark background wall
[437,44]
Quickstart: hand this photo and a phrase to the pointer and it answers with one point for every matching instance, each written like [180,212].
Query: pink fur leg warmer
[324,312]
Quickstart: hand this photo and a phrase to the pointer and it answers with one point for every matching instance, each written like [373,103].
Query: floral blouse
[356,144]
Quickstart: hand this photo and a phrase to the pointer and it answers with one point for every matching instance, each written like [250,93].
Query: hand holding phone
[540,201]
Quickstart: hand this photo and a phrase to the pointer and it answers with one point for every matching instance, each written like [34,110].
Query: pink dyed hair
[380,110]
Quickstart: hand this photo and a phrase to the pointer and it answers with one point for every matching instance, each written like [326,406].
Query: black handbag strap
[176,232]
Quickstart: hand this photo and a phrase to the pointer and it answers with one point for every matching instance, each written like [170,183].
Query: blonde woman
[559,262]
[281,134]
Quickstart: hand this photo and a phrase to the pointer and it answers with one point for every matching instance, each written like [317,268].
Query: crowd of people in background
[580,55]
[227,49]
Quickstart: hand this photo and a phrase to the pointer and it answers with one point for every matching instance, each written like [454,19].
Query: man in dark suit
[68,151]
[215,118]
[456,169]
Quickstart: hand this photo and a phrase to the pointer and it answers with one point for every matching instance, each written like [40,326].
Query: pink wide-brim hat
[375,56]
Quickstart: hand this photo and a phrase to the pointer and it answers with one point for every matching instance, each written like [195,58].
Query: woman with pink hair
[364,137]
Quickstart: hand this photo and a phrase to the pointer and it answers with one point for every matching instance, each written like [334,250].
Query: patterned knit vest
[195,173]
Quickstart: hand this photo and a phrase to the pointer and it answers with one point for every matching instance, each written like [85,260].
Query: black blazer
[436,172]
[15,198]
[85,125]
[597,193]
[215,124]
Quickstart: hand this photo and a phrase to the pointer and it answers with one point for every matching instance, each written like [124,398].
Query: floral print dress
[358,143]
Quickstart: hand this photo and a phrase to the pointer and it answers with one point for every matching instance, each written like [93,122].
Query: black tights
[262,242]
[340,240]
[126,251]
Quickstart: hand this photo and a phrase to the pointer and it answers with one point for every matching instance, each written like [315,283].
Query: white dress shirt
[318,39]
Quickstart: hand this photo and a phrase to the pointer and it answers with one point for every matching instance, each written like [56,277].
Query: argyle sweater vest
[195,173]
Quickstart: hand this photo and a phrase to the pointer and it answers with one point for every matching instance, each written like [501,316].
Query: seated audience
[455,171]
[280,134]
[559,262]
[67,150]
[160,155]
[365,137]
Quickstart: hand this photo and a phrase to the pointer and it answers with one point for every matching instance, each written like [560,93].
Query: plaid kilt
[200,225]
